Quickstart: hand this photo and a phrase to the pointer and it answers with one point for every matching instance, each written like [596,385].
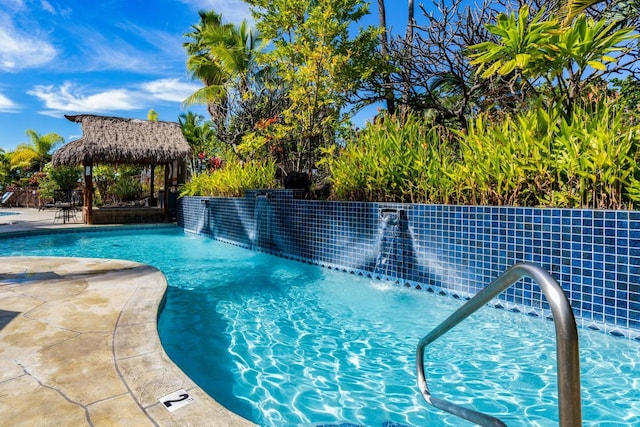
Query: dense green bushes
[391,161]
[536,158]
[232,179]
[60,178]
[533,118]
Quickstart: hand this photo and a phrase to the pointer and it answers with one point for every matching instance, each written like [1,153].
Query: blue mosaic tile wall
[457,250]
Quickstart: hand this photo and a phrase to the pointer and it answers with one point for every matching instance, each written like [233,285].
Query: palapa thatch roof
[116,140]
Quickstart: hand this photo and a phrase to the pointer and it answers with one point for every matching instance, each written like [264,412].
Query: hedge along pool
[287,343]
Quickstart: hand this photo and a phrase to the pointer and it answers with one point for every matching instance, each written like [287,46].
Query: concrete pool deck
[79,343]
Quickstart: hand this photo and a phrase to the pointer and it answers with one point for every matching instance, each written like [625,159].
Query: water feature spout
[390,211]
[263,216]
[202,225]
[395,247]
[392,216]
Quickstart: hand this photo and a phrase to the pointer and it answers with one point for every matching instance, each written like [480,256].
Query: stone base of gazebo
[126,215]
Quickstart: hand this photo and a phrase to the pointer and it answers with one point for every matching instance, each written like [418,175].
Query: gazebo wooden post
[152,200]
[88,194]
[165,210]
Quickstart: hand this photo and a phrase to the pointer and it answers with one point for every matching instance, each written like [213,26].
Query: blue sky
[108,57]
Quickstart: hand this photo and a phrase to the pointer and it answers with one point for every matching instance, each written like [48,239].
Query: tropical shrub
[536,158]
[61,178]
[116,184]
[541,158]
[103,176]
[596,159]
[392,161]
[66,177]
[232,179]
[506,163]
[126,188]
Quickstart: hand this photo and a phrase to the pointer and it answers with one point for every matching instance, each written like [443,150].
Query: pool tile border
[83,229]
[455,250]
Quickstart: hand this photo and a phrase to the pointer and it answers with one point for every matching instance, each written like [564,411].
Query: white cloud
[68,98]
[233,11]
[7,105]
[47,6]
[12,5]
[173,90]
[115,56]
[166,47]
[21,50]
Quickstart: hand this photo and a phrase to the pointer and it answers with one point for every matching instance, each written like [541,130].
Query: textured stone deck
[79,346]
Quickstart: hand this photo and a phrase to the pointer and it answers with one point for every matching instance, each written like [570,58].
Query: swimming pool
[286,343]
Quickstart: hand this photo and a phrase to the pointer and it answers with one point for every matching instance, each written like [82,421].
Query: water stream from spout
[395,253]
[263,217]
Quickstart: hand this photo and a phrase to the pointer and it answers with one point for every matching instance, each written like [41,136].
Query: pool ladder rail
[568,362]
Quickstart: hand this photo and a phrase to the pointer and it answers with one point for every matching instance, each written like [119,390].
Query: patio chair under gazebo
[116,140]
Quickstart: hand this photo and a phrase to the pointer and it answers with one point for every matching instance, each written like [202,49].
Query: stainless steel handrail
[568,361]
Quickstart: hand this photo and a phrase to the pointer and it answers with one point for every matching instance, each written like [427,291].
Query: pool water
[285,343]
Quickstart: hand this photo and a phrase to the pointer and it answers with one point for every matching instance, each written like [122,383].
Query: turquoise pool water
[284,343]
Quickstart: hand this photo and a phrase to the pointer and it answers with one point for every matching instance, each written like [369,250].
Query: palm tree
[197,132]
[222,56]
[36,151]
[201,66]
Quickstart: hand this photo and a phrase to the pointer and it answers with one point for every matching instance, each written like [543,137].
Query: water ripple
[285,343]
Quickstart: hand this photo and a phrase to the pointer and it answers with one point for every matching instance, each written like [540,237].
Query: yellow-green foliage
[537,158]
[393,162]
[596,157]
[321,62]
[233,179]
[507,163]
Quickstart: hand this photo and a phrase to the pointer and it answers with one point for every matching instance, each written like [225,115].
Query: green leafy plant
[561,58]
[232,179]
[506,163]
[536,158]
[126,188]
[321,63]
[392,161]
[61,178]
[596,158]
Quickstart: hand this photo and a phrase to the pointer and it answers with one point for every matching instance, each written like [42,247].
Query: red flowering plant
[208,163]
[265,140]
[215,163]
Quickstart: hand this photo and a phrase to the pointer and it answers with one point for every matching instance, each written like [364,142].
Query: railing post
[568,360]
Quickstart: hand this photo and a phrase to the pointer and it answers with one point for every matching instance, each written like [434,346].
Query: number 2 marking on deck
[176,400]
[183,396]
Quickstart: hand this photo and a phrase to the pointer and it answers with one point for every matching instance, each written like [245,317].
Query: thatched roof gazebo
[116,140]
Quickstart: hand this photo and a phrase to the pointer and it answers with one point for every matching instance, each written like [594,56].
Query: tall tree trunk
[408,54]
[384,49]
